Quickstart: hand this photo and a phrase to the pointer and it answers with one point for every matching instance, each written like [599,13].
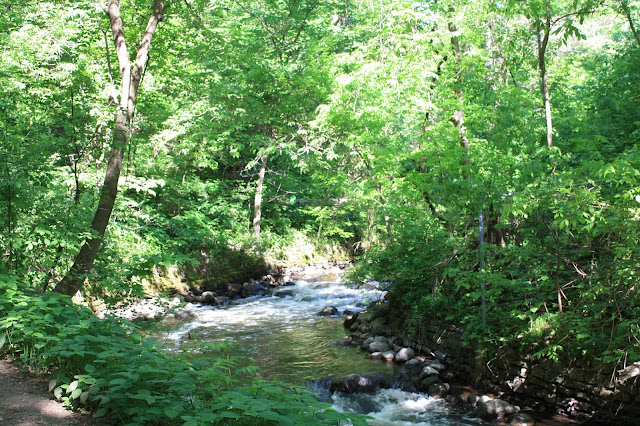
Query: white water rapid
[286,338]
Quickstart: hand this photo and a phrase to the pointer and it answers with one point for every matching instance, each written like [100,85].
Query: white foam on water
[284,309]
[397,407]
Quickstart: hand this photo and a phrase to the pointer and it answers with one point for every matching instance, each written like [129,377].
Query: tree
[129,85]
[547,18]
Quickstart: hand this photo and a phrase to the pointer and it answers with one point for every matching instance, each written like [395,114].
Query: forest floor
[24,401]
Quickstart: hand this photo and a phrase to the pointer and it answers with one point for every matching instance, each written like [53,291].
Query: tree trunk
[544,79]
[458,116]
[130,81]
[627,13]
[257,202]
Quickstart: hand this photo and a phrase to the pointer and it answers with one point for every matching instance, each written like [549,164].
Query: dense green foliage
[105,366]
[386,130]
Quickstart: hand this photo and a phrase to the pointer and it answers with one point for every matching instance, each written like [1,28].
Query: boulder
[349,321]
[426,383]
[427,372]
[383,330]
[253,289]
[345,341]
[354,383]
[437,365]
[376,356]
[412,363]
[495,409]
[208,297]
[355,342]
[439,390]
[283,293]
[378,346]
[365,316]
[405,354]
[234,288]
[367,342]
[328,311]
[522,419]
[365,327]
[221,300]
[388,356]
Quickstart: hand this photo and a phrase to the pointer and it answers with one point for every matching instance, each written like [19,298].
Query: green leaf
[76,393]
[171,413]
[100,413]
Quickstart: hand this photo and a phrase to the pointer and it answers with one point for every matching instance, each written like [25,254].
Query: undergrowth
[106,367]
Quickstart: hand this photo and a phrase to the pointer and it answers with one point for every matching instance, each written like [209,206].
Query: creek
[284,335]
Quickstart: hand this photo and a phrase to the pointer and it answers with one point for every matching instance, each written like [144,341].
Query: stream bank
[588,393]
[293,332]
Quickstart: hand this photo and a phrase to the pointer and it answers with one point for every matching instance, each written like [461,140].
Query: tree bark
[627,13]
[543,41]
[257,202]
[130,82]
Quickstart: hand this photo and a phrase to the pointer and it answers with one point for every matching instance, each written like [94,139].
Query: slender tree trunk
[257,201]
[9,211]
[627,13]
[458,116]
[130,81]
[543,41]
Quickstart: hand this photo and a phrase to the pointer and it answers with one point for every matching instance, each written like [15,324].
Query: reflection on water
[284,334]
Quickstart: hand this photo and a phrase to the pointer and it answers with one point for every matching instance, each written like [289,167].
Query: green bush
[108,368]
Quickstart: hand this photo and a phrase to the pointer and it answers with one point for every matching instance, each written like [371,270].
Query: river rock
[350,321]
[383,330]
[388,356]
[253,289]
[439,390]
[365,327]
[413,363]
[283,293]
[221,300]
[365,317]
[405,354]
[378,346]
[522,419]
[208,297]
[234,288]
[328,311]
[495,409]
[355,383]
[437,365]
[428,371]
[355,342]
[188,298]
[426,383]
[376,356]
[345,341]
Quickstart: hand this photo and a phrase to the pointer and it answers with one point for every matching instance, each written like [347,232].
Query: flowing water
[286,338]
